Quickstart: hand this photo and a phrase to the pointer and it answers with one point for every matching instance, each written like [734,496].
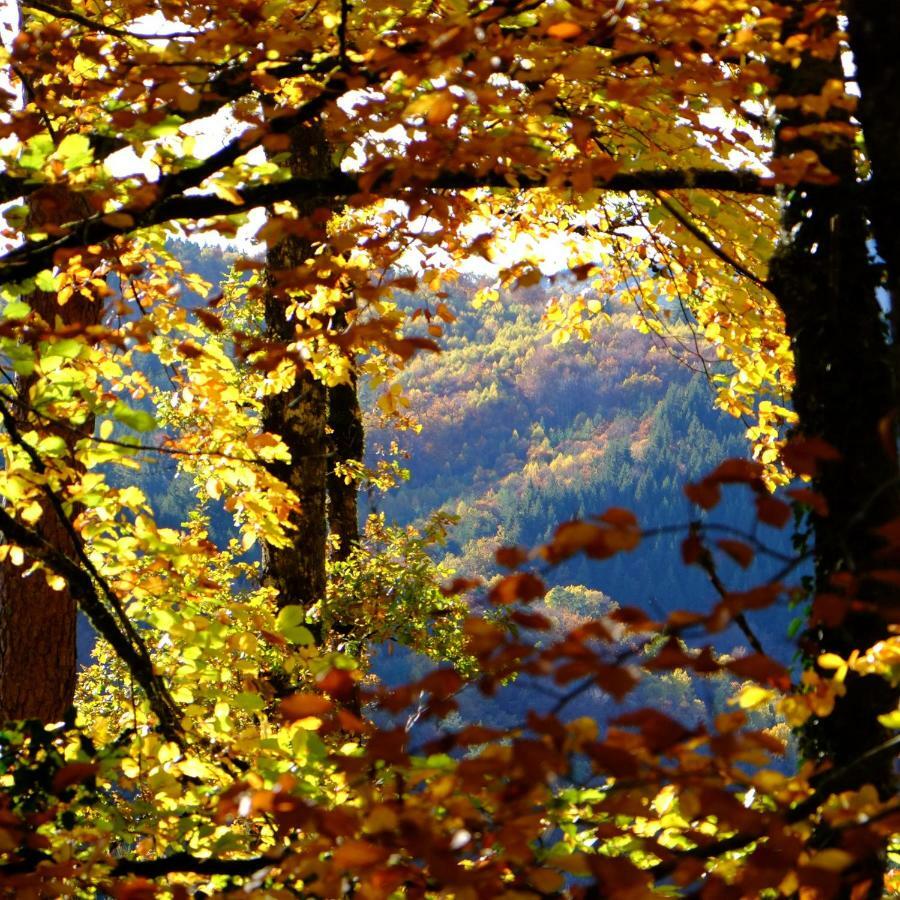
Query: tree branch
[80,578]
[707,241]
[29,259]
[72,16]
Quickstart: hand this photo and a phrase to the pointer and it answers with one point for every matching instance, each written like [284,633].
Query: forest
[449,449]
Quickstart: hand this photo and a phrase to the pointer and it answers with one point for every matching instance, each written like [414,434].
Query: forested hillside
[518,434]
[515,433]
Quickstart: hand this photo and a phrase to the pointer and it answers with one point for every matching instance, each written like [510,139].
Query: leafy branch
[81,578]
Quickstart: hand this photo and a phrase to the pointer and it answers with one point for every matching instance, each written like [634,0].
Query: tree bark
[824,281]
[348,445]
[37,624]
[300,414]
[875,39]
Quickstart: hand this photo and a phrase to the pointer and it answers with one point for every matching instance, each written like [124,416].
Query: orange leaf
[521,586]
[564,31]
[303,705]
[510,557]
[358,854]
[441,108]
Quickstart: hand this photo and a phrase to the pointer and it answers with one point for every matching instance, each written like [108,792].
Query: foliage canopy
[703,164]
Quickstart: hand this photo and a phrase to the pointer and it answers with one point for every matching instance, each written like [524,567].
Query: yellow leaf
[752,695]
[226,192]
[56,582]
[830,661]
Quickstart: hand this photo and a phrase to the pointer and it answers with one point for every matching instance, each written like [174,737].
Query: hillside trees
[665,149]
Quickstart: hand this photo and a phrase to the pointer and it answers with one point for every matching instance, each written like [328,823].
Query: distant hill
[519,435]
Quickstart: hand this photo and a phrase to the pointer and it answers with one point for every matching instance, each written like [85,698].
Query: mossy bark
[300,414]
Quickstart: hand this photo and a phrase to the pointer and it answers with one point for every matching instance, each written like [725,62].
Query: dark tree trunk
[824,281]
[875,40]
[348,445]
[300,414]
[37,624]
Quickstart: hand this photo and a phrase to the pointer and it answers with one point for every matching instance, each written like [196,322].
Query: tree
[692,155]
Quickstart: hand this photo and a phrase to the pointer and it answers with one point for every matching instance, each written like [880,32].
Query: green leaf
[168,127]
[22,359]
[75,151]
[46,281]
[18,309]
[66,348]
[249,701]
[289,625]
[300,634]
[36,151]
[133,418]
[290,617]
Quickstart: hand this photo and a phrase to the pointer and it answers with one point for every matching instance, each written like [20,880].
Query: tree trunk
[300,414]
[824,281]
[875,39]
[37,624]
[348,445]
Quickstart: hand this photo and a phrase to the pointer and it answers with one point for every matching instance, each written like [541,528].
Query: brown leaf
[534,621]
[736,471]
[337,683]
[72,774]
[740,552]
[135,889]
[762,669]
[358,854]
[210,320]
[704,494]
[522,586]
[511,557]
[772,512]
[814,500]
[804,455]
[460,586]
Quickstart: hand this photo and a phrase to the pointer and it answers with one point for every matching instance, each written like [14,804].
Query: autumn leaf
[302,705]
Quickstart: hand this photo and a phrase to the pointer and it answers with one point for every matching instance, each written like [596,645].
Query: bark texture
[37,624]
[300,414]
[348,445]
[824,281]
